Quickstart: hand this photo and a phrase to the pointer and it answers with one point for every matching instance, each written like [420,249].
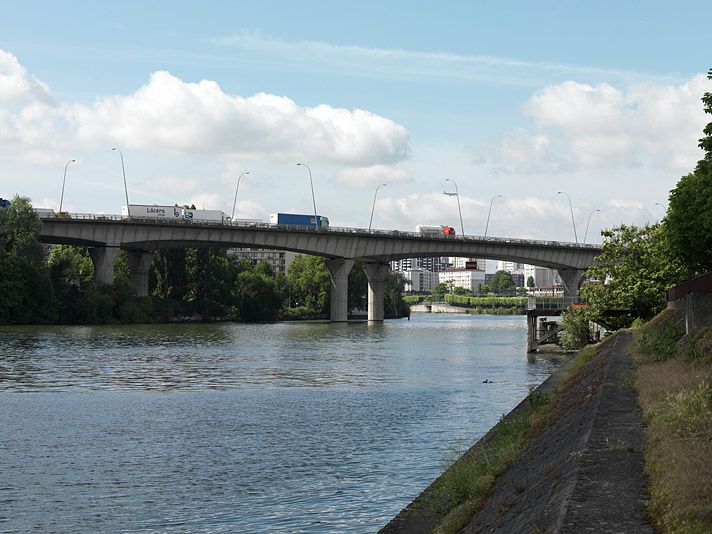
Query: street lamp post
[311,183]
[126,190]
[373,206]
[234,202]
[61,199]
[457,194]
[589,222]
[572,212]
[490,213]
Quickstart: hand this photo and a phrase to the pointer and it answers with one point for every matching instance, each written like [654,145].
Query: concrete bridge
[107,235]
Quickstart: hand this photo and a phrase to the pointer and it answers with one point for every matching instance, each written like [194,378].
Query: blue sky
[601,100]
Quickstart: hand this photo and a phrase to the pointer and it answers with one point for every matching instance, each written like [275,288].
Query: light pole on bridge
[126,189]
[572,212]
[456,194]
[589,222]
[311,183]
[373,206]
[490,213]
[61,199]
[234,203]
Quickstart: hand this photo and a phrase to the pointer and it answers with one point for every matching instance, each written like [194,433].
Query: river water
[285,427]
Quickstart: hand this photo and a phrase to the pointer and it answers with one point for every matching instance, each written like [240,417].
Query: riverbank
[580,467]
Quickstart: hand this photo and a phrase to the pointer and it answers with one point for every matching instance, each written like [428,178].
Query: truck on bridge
[178,213]
[298,220]
[426,230]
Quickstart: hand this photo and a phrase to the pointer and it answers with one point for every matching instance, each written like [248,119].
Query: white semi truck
[176,213]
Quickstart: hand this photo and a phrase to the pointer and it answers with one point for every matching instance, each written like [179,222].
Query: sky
[599,100]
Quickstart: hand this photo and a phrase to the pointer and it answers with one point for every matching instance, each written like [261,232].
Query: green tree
[484,289]
[26,292]
[530,281]
[358,287]
[210,280]
[706,142]
[635,267]
[256,296]
[576,333]
[169,277]
[309,283]
[71,265]
[440,290]
[393,288]
[502,283]
[689,220]
[689,217]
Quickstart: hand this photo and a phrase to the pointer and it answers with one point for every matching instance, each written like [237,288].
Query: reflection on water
[284,427]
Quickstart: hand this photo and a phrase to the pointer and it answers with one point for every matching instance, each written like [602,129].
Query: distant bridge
[107,235]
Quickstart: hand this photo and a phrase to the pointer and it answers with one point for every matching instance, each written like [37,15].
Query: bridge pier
[139,264]
[104,259]
[572,280]
[339,269]
[376,274]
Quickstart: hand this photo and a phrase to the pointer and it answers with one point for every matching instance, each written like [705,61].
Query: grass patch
[619,446]
[466,483]
[674,383]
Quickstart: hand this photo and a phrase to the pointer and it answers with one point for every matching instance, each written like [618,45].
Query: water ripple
[285,427]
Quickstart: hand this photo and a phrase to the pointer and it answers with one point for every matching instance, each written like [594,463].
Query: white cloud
[171,185]
[645,124]
[17,85]
[522,217]
[520,151]
[170,115]
[370,176]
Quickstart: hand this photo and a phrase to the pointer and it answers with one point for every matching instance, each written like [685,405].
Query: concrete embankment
[581,469]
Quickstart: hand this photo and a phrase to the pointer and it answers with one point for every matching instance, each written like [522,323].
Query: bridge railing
[554,303]
[303,228]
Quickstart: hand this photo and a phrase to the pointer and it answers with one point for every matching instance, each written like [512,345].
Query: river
[284,427]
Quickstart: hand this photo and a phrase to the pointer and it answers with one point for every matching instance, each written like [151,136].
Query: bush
[577,333]
[661,343]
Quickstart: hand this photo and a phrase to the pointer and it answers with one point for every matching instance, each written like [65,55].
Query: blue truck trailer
[298,220]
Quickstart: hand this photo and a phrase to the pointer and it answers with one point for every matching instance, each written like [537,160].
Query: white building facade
[469,279]
[420,280]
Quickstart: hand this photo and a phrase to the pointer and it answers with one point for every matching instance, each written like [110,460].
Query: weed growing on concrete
[625,380]
[467,482]
[619,446]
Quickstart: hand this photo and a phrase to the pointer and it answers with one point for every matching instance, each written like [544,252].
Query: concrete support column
[139,264]
[572,280]
[339,269]
[376,274]
[104,259]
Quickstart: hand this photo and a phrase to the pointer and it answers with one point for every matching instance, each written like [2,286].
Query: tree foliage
[576,333]
[310,283]
[689,220]
[502,284]
[689,217]
[706,142]
[193,283]
[635,267]
[26,292]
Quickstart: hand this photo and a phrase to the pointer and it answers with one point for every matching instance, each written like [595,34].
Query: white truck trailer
[175,213]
